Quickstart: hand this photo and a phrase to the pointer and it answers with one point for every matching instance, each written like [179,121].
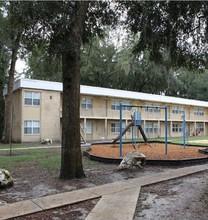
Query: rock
[47,141]
[5,179]
[132,160]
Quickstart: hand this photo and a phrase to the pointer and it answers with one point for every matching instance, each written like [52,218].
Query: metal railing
[114,114]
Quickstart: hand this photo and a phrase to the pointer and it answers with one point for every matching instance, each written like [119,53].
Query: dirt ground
[168,200]
[184,198]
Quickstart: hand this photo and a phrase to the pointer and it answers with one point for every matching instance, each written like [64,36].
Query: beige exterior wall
[101,116]
[49,115]
[99,130]
[30,113]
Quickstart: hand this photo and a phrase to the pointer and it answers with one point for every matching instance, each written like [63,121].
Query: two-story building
[37,112]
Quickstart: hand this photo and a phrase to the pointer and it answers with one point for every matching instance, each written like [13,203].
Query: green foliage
[98,63]
[43,66]
[55,21]
[175,32]
[53,36]
[105,65]
[198,87]
[4,64]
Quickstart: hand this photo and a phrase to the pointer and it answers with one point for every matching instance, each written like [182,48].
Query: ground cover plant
[46,158]
[190,140]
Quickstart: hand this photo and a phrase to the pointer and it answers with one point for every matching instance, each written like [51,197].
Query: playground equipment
[137,122]
[184,134]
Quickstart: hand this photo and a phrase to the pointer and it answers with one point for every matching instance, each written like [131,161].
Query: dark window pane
[28,101]
[28,130]
[36,131]
[36,101]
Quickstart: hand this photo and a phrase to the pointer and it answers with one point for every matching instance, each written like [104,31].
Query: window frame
[115,105]
[89,127]
[200,126]
[178,109]
[86,103]
[32,98]
[177,127]
[198,112]
[152,128]
[152,110]
[116,128]
[32,127]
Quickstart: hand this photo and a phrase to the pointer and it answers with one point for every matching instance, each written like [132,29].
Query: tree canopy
[169,53]
[175,32]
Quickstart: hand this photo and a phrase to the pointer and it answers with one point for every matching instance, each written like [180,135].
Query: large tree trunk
[71,158]
[71,161]
[8,102]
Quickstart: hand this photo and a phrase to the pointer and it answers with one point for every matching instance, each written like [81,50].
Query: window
[198,112]
[180,110]
[151,127]
[200,127]
[174,110]
[177,127]
[31,127]
[86,103]
[115,127]
[89,127]
[151,110]
[177,109]
[32,98]
[126,108]
[115,105]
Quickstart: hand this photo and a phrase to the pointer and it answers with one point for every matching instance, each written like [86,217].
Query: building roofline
[106,92]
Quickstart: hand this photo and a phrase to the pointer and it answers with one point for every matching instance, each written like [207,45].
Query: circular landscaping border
[179,162]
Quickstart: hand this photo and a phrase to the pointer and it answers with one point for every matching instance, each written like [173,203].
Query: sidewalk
[113,197]
[31,148]
[39,147]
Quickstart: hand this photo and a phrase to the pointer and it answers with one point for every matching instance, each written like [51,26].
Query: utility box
[136,118]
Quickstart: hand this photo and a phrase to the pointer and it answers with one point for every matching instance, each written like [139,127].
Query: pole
[184,130]
[10,136]
[120,129]
[166,130]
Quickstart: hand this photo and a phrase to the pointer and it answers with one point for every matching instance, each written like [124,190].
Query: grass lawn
[49,159]
[192,140]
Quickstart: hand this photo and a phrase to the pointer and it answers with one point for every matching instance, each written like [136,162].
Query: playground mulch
[153,151]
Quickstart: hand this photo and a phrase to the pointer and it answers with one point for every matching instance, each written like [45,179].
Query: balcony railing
[100,113]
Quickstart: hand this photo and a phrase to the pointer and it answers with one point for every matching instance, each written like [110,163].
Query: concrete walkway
[118,200]
[31,148]
[43,146]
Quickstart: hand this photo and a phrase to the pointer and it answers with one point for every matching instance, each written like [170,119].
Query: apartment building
[37,112]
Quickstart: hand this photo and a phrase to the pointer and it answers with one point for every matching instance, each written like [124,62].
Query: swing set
[136,122]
